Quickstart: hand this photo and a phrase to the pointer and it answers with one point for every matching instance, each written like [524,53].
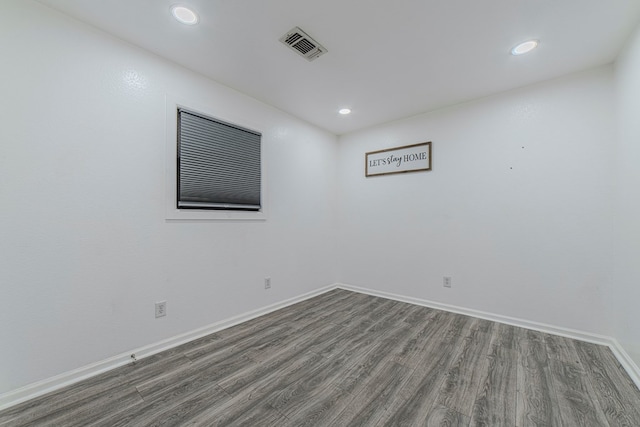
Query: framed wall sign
[410,158]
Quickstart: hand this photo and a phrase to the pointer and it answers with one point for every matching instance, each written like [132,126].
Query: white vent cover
[300,41]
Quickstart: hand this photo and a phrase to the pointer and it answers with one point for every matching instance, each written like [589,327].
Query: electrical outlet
[446,282]
[161,309]
[267,282]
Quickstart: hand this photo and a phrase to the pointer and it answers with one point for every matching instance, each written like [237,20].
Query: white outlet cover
[161,309]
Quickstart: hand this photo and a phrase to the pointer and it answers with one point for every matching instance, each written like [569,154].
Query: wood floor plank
[373,396]
[458,326]
[328,310]
[239,342]
[264,386]
[317,398]
[578,404]
[275,362]
[239,346]
[237,414]
[430,325]
[90,411]
[420,314]
[357,311]
[435,331]
[618,397]
[81,393]
[343,314]
[441,416]
[174,407]
[505,336]
[250,402]
[608,362]
[458,392]
[322,386]
[354,333]
[418,394]
[441,344]
[329,370]
[562,349]
[185,376]
[401,312]
[255,416]
[315,406]
[317,384]
[536,403]
[384,314]
[495,403]
[378,354]
[362,333]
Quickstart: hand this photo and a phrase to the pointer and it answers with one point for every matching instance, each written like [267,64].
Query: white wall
[517,209]
[85,250]
[626,288]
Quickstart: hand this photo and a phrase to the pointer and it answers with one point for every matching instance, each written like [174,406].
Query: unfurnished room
[336,213]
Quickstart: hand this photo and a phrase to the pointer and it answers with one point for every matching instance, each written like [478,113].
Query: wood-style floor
[349,359]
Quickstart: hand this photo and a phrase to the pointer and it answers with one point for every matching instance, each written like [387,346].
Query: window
[218,164]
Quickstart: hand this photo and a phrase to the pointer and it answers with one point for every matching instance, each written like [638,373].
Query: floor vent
[300,41]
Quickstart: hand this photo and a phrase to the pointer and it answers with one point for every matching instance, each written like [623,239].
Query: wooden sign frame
[408,158]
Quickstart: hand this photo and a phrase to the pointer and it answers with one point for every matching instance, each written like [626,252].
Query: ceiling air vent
[300,41]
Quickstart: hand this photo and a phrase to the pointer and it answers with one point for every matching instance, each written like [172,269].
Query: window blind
[218,164]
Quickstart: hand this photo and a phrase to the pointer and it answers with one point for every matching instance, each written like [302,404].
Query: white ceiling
[387,59]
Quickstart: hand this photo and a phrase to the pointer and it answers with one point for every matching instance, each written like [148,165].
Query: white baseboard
[48,385]
[618,351]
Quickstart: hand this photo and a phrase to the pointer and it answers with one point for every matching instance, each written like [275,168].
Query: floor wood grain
[494,404]
[349,359]
[536,397]
[614,390]
[458,392]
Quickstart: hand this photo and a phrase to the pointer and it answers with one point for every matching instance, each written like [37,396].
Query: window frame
[171,154]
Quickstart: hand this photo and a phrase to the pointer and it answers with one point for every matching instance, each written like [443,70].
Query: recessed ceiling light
[184,15]
[344,111]
[524,47]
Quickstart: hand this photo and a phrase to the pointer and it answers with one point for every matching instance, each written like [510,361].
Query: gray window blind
[218,164]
